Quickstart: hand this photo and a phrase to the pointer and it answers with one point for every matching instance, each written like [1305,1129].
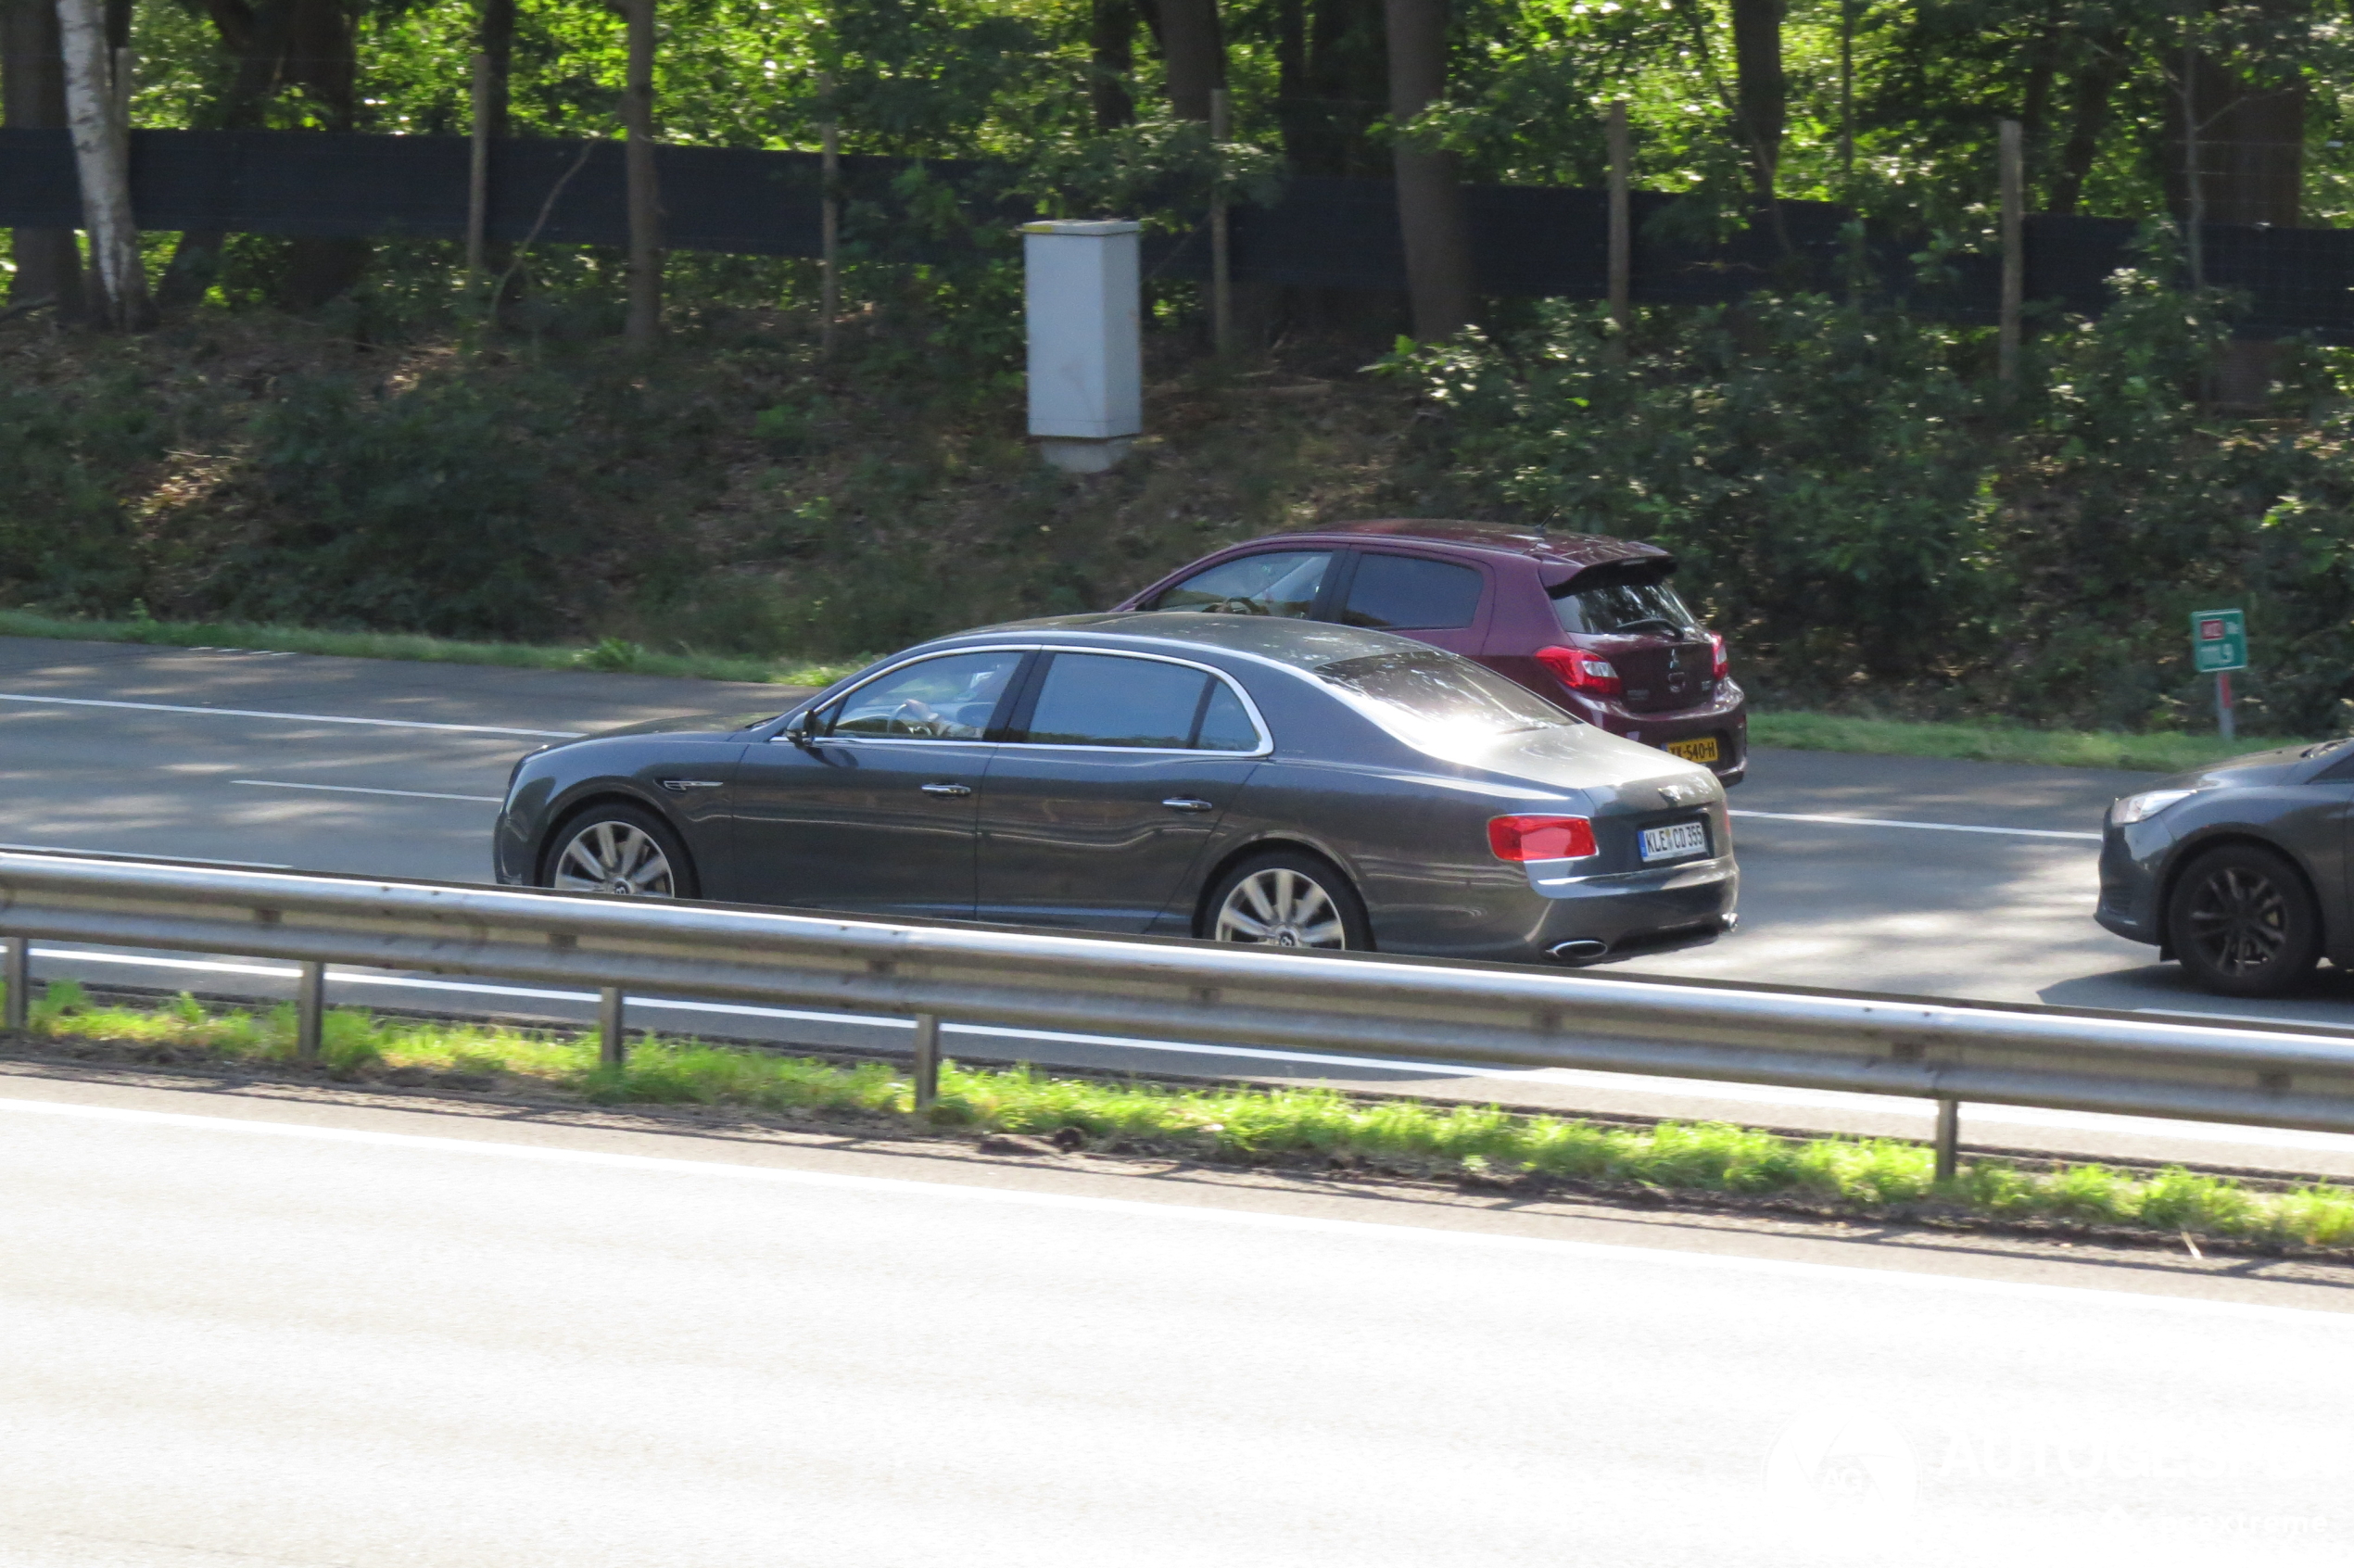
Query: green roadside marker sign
[2219,640]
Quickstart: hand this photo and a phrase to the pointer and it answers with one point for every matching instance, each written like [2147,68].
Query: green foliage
[1864,510]
[69,455]
[419,510]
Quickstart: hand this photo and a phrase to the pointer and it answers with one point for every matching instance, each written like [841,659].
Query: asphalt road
[1885,874]
[237,1332]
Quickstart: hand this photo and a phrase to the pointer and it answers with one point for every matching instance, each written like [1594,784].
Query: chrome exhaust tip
[1577,952]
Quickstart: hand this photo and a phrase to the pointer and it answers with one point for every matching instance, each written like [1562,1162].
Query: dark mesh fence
[1324,232]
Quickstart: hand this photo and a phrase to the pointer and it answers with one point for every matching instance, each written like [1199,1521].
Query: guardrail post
[927,1060]
[310,1011]
[1949,1138]
[19,979]
[613,1050]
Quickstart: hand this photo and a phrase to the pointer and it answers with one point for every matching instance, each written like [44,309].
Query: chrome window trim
[1266,746]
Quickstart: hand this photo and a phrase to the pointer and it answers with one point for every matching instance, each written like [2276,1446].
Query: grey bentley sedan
[1239,779]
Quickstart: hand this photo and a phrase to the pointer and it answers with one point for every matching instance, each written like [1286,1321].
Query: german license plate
[1700,750]
[1673,843]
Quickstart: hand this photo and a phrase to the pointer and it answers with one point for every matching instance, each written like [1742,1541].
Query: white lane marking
[364,790]
[117,854]
[1930,826]
[1013,1197]
[301,718]
[2212,1134]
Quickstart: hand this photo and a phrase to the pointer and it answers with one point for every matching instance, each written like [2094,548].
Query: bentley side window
[951,698]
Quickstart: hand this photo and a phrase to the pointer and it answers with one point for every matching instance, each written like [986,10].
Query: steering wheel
[921,724]
[1236,607]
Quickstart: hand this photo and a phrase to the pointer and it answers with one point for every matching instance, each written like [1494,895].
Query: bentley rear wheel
[1285,899]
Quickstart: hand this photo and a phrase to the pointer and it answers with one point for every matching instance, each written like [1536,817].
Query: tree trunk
[1111,40]
[102,157]
[2235,155]
[308,44]
[2096,88]
[1430,195]
[323,59]
[32,80]
[645,201]
[1760,97]
[1194,54]
[498,47]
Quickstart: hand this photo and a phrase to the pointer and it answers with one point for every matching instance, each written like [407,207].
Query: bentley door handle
[1187,803]
[948,789]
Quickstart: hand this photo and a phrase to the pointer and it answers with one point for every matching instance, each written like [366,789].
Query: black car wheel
[1285,899]
[2242,922]
[620,849]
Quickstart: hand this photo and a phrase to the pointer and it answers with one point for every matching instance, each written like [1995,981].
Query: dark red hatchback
[1587,623]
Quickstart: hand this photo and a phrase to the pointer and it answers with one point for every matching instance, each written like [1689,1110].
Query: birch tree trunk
[102,157]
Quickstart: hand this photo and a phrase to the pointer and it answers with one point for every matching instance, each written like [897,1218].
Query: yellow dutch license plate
[1700,750]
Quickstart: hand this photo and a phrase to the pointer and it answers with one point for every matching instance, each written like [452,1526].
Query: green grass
[1239,1124]
[2006,743]
[612,653]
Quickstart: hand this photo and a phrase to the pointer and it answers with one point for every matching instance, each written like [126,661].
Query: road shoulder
[724,1137]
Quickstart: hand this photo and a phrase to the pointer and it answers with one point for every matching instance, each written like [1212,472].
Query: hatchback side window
[950,697]
[1283,582]
[1103,700]
[1401,591]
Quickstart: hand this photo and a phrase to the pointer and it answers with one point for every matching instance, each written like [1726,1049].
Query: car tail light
[1580,671]
[1722,666]
[1541,838]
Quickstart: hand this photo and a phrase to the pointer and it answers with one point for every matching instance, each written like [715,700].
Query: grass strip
[614,654]
[1236,1124]
[2157,753]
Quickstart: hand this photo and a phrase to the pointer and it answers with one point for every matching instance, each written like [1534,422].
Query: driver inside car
[962,717]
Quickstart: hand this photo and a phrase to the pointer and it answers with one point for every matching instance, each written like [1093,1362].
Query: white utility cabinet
[1081,288]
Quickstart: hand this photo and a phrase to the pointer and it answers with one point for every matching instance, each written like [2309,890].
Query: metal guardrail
[1365,1003]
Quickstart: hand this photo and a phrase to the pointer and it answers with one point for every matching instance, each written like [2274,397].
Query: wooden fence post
[828,219]
[1222,277]
[2014,250]
[478,177]
[1621,242]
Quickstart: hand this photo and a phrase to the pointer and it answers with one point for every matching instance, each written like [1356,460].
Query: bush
[425,509]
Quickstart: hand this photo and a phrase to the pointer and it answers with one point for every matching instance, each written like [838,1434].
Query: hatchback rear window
[1435,695]
[1628,604]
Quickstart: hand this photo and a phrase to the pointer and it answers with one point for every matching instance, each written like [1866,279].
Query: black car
[2238,870]
[1253,781]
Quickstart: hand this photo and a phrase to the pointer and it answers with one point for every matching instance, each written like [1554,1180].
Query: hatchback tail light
[1580,671]
[1541,838]
[1721,664]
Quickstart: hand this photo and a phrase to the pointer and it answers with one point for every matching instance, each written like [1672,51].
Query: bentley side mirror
[796,730]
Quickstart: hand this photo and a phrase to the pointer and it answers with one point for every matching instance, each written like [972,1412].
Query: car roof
[1574,551]
[1304,645]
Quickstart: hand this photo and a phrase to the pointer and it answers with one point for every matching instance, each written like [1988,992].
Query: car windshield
[1623,604]
[1432,696]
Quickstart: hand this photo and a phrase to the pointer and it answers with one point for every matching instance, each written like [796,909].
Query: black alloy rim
[2239,920]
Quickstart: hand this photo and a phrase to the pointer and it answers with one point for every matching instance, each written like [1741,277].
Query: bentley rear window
[1437,693]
